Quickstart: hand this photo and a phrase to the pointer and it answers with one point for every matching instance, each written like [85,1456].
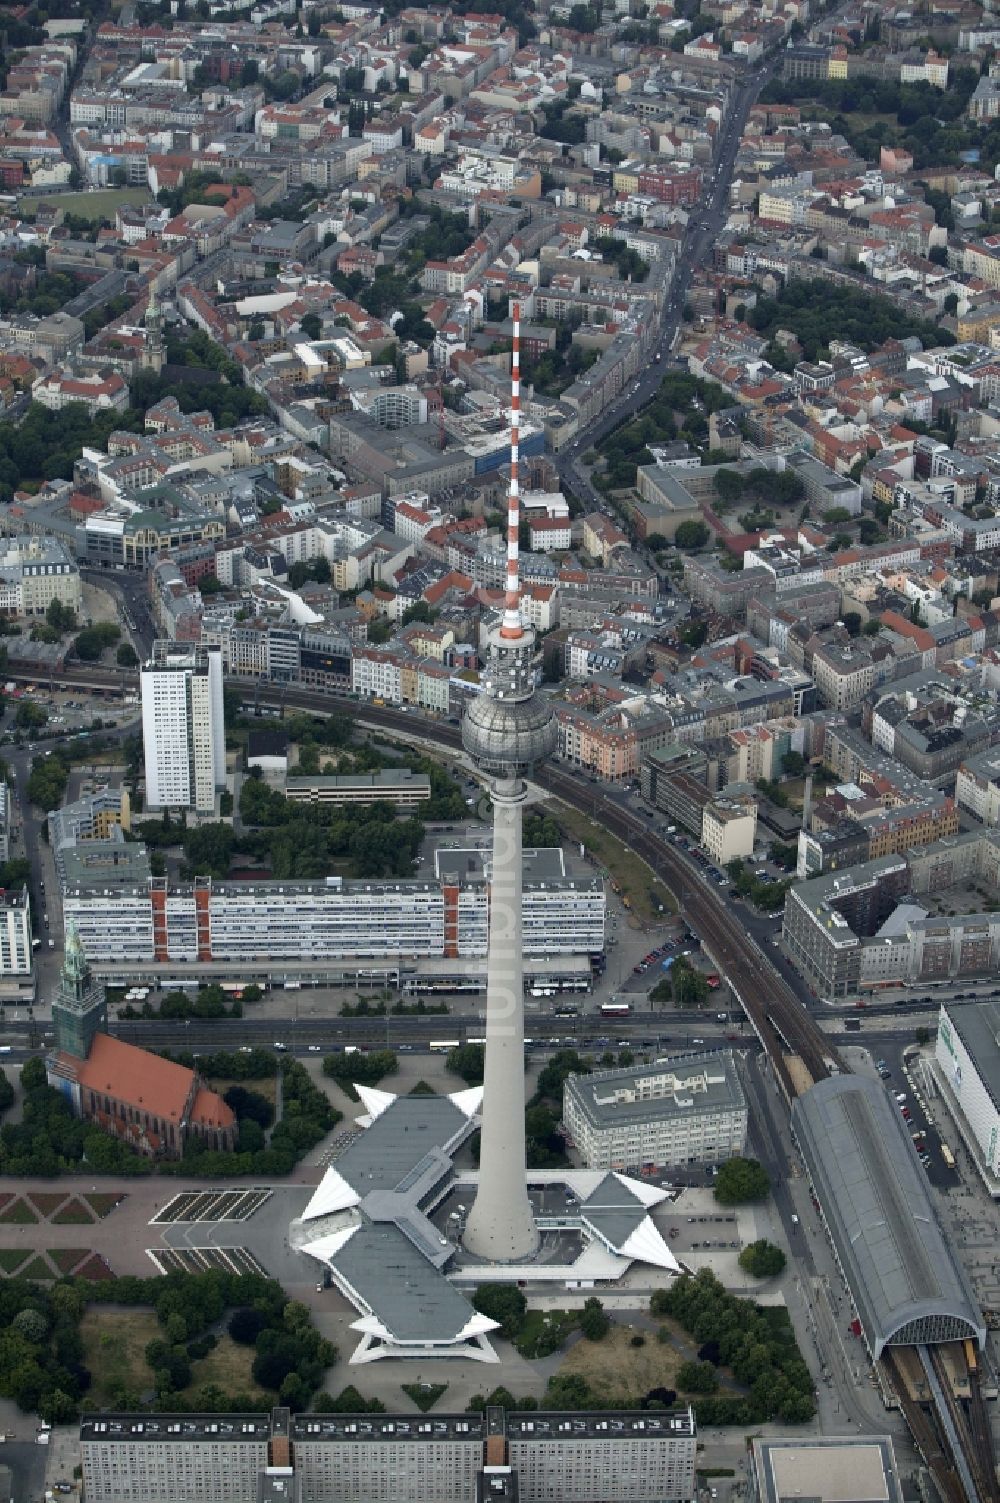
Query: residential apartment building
[684,1111]
[15,942]
[603,1458]
[320,925]
[183,730]
[622,1456]
[977,786]
[34,571]
[828,917]
[728,829]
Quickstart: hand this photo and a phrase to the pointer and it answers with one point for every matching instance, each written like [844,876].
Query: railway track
[926,1435]
[982,1436]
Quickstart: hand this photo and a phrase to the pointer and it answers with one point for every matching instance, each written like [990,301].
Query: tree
[60,617]
[31,1324]
[33,1074]
[697,1377]
[311,325]
[740,1181]
[94,639]
[594,1320]
[6,1092]
[126,656]
[29,716]
[852,622]
[793,764]
[762,1260]
[728,485]
[208,849]
[504,1303]
[691,535]
[467,1061]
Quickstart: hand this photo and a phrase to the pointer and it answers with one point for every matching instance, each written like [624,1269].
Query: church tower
[152,350]
[79,1009]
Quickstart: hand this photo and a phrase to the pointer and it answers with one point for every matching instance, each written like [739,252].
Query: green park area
[102,203]
[643,895]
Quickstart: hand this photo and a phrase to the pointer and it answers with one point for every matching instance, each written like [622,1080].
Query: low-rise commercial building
[683,1111]
[397,786]
[826,1468]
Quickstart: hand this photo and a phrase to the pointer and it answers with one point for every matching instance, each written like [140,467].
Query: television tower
[507,729]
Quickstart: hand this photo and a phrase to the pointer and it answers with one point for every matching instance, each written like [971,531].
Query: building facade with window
[684,1111]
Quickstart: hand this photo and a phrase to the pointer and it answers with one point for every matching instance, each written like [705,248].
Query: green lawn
[18,1213]
[633,876]
[38,1268]
[101,204]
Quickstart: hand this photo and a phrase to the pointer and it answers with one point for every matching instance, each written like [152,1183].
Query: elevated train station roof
[907,1283]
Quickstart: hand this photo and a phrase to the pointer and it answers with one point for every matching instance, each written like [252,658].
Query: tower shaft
[501,1225]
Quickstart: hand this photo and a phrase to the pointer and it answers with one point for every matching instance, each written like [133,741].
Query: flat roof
[905,1278]
[182,1428]
[667,1088]
[457,864]
[386,777]
[534,1425]
[390,1427]
[978,1026]
[384,1155]
[551,1425]
[848,1469]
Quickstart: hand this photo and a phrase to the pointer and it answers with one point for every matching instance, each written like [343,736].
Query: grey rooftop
[907,1284]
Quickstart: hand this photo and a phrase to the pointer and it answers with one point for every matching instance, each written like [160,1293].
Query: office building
[636,1456]
[183,730]
[97,819]
[393,785]
[683,1111]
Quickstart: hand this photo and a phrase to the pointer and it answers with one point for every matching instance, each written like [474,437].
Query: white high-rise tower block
[507,729]
[183,727]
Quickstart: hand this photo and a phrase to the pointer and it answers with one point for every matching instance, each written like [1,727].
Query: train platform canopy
[906,1281]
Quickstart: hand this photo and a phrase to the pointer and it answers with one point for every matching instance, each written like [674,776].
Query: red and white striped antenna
[512,599]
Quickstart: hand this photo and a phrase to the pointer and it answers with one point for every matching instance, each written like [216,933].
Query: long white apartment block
[241,923]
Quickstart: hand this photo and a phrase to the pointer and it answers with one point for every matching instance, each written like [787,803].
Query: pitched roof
[136,1076]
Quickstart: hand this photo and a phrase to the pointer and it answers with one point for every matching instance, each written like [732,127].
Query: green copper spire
[79,1009]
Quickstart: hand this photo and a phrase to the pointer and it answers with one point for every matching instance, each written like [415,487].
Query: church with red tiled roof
[148,1102]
